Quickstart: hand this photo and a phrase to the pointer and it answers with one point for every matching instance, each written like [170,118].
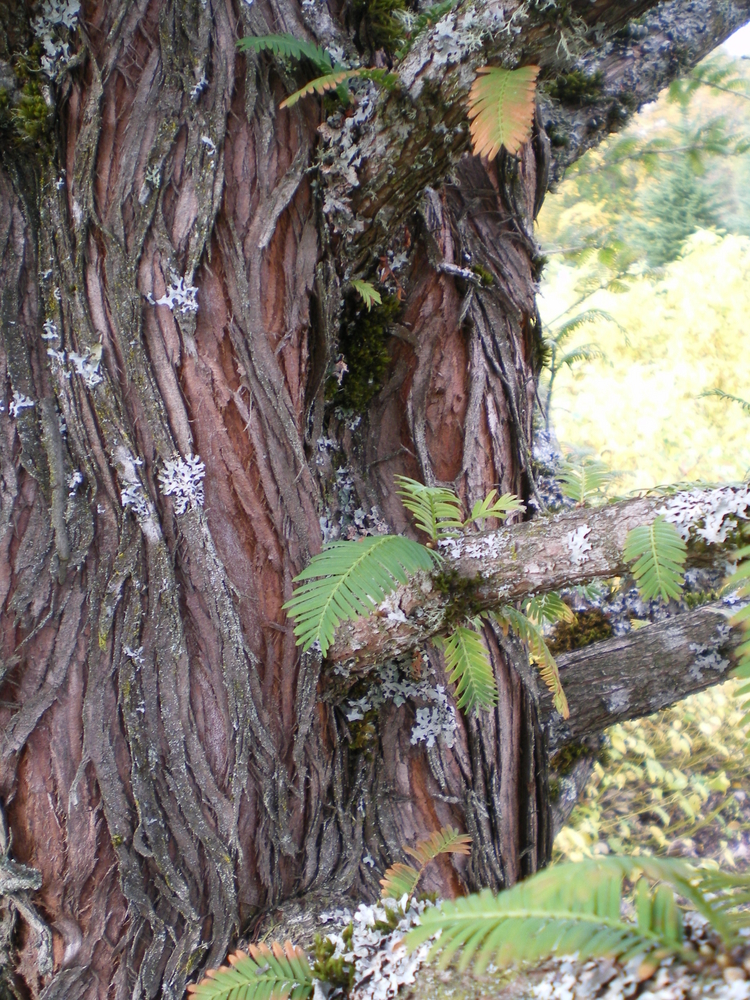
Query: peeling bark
[170,765]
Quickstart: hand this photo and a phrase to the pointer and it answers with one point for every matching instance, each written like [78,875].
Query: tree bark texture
[170,766]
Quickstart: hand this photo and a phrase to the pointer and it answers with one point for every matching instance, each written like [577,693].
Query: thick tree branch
[377,163]
[642,672]
[633,65]
[486,570]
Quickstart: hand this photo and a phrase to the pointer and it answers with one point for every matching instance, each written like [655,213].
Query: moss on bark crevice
[363,342]
[588,626]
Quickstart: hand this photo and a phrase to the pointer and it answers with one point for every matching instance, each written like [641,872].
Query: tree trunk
[171,767]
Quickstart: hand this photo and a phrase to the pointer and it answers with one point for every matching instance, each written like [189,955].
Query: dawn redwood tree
[195,398]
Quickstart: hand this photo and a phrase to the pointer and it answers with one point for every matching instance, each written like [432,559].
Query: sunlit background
[658,220]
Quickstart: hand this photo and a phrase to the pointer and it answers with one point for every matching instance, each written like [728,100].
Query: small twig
[460,272]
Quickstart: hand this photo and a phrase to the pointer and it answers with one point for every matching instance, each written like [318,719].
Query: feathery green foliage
[264,974]
[585,480]
[322,84]
[728,397]
[726,897]
[470,669]
[531,635]
[436,510]
[289,46]
[548,608]
[717,73]
[368,293]
[576,907]
[577,355]
[469,666]
[334,80]
[565,330]
[501,102]
[443,841]
[349,579]
[334,75]
[494,506]
[555,357]
[659,553]
[674,207]
[401,879]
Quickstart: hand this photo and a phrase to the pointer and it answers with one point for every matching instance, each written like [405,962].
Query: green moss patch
[589,626]
[380,27]
[364,345]
[577,88]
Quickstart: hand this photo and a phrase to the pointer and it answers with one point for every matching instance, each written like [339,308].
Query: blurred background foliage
[647,287]
[675,783]
[646,305]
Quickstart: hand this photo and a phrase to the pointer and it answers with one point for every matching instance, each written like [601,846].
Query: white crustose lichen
[136,655]
[153,175]
[134,496]
[57,356]
[381,960]
[578,546]
[74,481]
[434,722]
[54,15]
[87,367]
[199,87]
[710,513]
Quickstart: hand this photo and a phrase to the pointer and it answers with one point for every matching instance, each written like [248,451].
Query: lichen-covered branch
[485,570]
[643,671]
[377,163]
[629,69]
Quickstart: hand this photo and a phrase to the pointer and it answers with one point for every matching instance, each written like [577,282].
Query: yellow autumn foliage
[670,786]
[640,409]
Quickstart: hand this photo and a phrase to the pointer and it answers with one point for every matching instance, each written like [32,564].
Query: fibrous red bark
[169,764]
